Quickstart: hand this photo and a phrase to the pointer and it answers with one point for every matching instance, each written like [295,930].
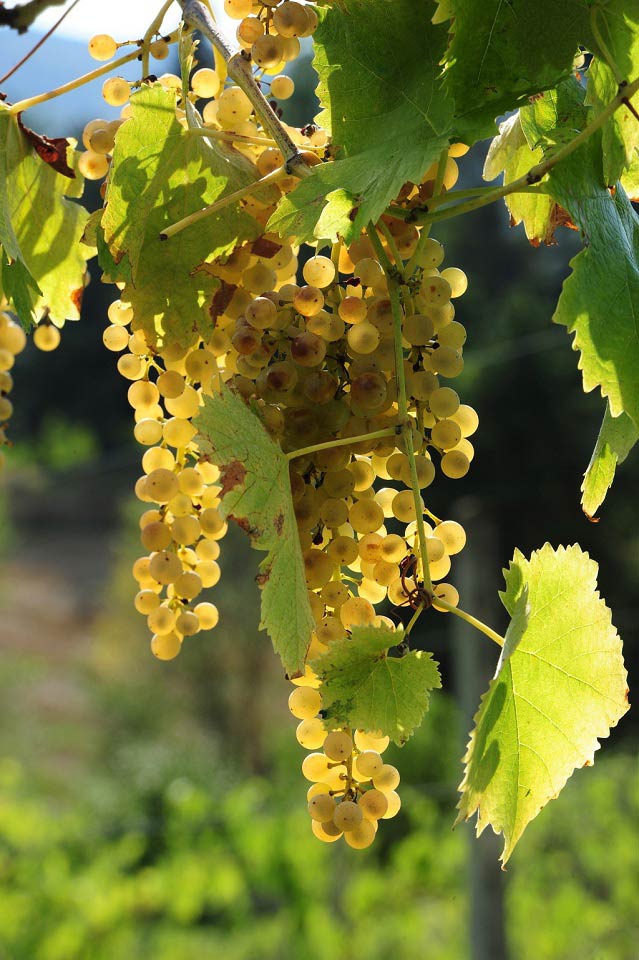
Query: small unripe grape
[102,46]
[116,91]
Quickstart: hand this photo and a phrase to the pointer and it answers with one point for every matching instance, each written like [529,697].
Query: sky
[121,18]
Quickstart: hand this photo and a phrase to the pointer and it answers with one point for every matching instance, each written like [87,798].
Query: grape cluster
[350,377]
[351,786]
[182,529]
[12,342]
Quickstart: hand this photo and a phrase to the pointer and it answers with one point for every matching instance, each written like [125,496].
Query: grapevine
[288,328]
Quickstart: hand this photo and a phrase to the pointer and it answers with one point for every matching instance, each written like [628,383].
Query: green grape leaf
[256,494]
[383,102]
[616,439]
[617,24]
[160,174]
[560,686]
[44,263]
[604,278]
[503,51]
[364,687]
[510,154]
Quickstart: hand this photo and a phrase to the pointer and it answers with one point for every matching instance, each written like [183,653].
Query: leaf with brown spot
[221,300]
[262,247]
[256,494]
[53,150]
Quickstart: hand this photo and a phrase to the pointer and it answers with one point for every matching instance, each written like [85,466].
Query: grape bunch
[12,342]
[346,352]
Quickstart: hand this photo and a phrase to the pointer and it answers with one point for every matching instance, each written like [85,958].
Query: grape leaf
[502,51]
[256,494]
[605,277]
[383,102]
[364,687]
[44,263]
[161,173]
[616,439]
[618,24]
[510,154]
[560,685]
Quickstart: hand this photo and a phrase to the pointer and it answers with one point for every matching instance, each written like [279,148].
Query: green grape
[177,432]
[326,832]
[369,390]
[352,309]
[347,816]
[209,573]
[393,548]
[435,291]
[145,601]
[171,384]
[394,804]
[167,646]
[318,568]
[457,279]
[439,568]
[447,592]
[116,91]
[445,434]
[155,536]
[453,335]
[404,506]
[207,615]
[102,46]
[357,612]
[185,530]
[431,254]
[362,835]
[343,550]
[268,52]
[363,338]
[308,350]
[386,779]
[305,703]
[161,620]
[165,567]
[452,535]
[311,734]
[418,329]
[46,337]
[467,419]
[291,19]
[455,464]
[320,387]
[443,402]
[188,585]
[447,361]
[321,807]
[319,271]
[373,804]
[338,746]
[366,516]
[369,271]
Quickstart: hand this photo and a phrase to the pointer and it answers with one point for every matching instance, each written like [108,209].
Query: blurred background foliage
[157,810]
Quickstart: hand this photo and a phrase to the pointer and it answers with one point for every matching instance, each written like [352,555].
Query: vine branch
[20,18]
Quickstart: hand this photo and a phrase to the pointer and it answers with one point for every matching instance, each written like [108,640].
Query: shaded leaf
[560,686]
[364,687]
[616,439]
[257,496]
[502,52]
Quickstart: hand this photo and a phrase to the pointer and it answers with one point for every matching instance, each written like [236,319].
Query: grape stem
[437,193]
[239,69]
[150,33]
[342,442]
[23,105]
[212,208]
[393,275]
[473,621]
